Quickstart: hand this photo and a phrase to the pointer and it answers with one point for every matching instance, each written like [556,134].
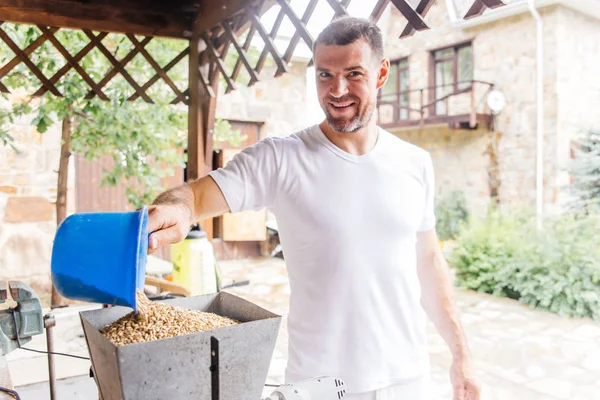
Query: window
[452,72]
[395,91]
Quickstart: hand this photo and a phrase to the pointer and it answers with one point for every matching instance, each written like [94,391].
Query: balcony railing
[460,105]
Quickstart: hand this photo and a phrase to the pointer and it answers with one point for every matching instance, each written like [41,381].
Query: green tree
[141,138]
[223,132]
[585,171]
[451,213]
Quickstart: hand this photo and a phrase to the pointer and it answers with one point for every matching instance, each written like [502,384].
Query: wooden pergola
[212,29]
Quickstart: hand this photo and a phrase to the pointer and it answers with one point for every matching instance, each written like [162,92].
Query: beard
[359,120]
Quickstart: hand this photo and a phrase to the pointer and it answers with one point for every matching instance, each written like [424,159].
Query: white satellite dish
[496,101]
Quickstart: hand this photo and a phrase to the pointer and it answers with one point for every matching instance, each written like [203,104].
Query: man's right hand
[169,223]
[175,210]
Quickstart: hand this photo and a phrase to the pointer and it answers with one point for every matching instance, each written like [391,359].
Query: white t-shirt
[348,228]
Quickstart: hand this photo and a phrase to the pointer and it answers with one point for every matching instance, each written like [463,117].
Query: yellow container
[194,264]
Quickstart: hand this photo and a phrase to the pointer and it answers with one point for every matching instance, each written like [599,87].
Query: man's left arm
[437,301]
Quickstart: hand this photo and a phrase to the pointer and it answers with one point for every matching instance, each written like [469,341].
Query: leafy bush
[557,269]
[141,138]
[451,211]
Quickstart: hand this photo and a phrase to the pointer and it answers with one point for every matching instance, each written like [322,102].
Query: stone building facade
[281,104]
[28,180]
[504,53]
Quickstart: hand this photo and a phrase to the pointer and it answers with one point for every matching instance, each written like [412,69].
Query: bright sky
[321,16]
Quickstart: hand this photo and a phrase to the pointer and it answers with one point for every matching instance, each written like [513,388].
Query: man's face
[348,78]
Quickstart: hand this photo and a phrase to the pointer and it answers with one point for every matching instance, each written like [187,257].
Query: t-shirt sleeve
[428,221]
[248,181]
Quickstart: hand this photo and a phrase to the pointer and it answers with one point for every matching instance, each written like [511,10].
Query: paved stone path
[519,353]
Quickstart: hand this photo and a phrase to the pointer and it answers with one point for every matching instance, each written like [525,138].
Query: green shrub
[451,212]
[557,269]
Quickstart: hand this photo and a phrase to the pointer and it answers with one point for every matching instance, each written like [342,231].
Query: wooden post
[201,119]
[195,162]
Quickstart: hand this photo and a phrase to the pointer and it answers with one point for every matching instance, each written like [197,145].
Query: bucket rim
[141,254]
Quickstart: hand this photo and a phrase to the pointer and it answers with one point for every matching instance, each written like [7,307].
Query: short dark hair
[346,30]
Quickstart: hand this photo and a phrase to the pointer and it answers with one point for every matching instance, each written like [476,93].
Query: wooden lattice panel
[120,63]
[230,39]
[222,41]
[479,6]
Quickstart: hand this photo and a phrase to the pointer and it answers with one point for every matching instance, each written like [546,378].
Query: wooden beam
[411,15]
[345,4]
[422,9]
[120,67]
[115,69]
[479,6]
[273,34]
[476,10]
[28,50]
[195,162]
[210,13]
[338,8]
[73,62]
[59,74]
[241,23]
[238,64]
[209,109]
[156,67]
[155,78]
[242,54]
[207,88]
[289,52]
[32,67]
[148,18]
[379,9]
[201,117]
[212,68]
[186,94]
[281,66]
[230,84]
[300,26]
[226,44]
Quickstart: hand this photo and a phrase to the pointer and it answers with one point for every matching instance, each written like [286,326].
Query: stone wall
[578,85]
[28,178]
[505,54]
[460,157]
[281,103]
[460,161]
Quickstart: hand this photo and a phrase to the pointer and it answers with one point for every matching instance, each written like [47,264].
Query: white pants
[414,390]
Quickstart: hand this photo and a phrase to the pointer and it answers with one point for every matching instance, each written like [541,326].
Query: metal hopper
[228,363]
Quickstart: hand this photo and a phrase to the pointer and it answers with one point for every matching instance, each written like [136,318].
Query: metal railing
[435,104]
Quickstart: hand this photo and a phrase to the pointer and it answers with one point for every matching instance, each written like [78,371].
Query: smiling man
[355,208]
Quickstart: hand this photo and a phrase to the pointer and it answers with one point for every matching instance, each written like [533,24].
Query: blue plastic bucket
[101,257]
